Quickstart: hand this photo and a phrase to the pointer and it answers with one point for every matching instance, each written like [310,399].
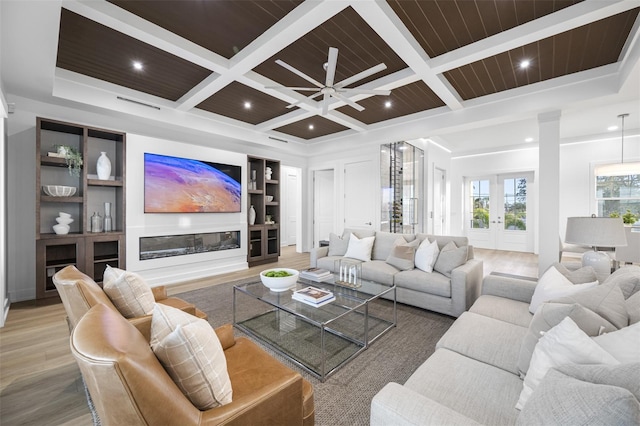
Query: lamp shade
[596,231]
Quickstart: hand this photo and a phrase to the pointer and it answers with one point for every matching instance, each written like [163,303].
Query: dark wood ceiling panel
[590,46]
[230,102]
[441,26]
[321,127]
[405,100]
[224,27]
[359,46]
[97,51]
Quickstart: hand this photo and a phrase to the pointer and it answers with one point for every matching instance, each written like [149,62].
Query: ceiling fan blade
[360,76]
[299,102]
[365,92]
[301,89]
[348,101]
[298,73]
[325,104]
[331,66]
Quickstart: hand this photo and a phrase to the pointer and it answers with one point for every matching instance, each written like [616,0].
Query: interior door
[359,195]
[323,205]
[499,213]
[289,207]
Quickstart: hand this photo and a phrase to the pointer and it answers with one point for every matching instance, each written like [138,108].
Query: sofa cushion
[561,399]
[190,351]
[450,257]
[627,278]
[378,271]
[402,254]
[503,309]
[605,300]
[563,344]
[443,240]
[552,284]
[626,376]
[426,255]
[633,308]
[384,243]
[337,245]
[129,292]
[623,344]
[479,337]
[360,248]
[468,387]
[551,314]
[421,281]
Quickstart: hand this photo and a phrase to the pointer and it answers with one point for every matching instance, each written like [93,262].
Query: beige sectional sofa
[474,376]
[450,293]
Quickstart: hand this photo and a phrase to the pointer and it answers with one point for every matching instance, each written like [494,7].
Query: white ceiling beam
[381,17]
[547,26]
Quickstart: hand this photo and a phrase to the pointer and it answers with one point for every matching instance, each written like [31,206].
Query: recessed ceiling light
[137,65]
[525,63]
[528,140]
[387,104]
[247,105]
[612,128]
[310,126]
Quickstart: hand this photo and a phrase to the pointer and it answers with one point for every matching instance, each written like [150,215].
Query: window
[618,190]
[515,204]
[479,200]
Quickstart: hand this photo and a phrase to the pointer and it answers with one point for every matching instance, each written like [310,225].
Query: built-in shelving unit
[264,234]
[90,252]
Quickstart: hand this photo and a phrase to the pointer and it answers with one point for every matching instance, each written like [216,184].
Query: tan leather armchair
[79,293]
[129,386]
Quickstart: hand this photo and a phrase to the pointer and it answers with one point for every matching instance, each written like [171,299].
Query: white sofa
[450,293]
[474,376]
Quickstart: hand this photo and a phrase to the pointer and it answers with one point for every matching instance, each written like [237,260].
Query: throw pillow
[606,300]
[360,249]
[633,308]
[586,274]
[563,344]
[627,278]
[426,255]
[129,292]
[623,344]
[337,245]
[563,400]
[551,314]
[450,257]
[623,375]
[553,284]
[402,256]
[192,355]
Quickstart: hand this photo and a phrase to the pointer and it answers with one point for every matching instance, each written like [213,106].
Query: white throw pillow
[192,355]
[563,344]
[360,249]
[129,292]
[426,255]
[623,344]
[553,284]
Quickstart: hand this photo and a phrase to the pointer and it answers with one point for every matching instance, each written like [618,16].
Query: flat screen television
[183,185]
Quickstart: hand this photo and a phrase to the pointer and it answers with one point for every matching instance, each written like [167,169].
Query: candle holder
[348,273]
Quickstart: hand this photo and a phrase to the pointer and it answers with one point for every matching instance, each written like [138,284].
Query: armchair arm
[143,324]
[225,335]
[466,281]
[397,405]
[510,288]
[159,292]
[316,253]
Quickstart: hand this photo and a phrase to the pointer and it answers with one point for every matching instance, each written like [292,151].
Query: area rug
[345,397]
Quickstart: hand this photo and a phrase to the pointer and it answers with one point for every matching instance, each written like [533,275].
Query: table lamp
[596,232]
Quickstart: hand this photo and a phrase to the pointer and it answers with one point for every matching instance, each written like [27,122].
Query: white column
[549,189]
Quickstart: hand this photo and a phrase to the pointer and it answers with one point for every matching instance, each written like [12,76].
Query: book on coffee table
[311,303]
[313,296]
[315,274]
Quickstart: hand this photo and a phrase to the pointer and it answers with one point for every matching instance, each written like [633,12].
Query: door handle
[367,223]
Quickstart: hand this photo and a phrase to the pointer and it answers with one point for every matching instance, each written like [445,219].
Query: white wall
[436,157]
[4,299]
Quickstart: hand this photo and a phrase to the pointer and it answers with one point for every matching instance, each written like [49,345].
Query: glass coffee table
[318,339]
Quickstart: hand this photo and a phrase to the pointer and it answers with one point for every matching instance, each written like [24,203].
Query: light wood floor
[40,383]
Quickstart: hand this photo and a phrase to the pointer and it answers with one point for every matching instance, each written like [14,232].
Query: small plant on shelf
[73,158]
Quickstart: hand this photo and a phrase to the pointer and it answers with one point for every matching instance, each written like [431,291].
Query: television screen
[182,185]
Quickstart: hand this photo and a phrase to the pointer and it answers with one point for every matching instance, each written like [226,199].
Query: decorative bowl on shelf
[61,229]
[59,190]
[268,198]
[279,283]
[62,220]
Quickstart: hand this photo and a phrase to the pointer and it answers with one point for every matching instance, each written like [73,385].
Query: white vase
[103,166]
[252,215]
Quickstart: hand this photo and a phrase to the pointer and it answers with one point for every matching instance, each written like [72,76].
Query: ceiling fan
[329,88]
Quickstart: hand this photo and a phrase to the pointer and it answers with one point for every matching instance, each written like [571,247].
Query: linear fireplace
[184,244]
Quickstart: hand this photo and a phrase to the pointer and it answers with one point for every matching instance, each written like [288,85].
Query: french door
[498,212]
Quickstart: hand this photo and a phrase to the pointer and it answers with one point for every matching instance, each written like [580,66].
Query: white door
[439,202]
[359,195]
[499,215]
[323,205]
[290,179]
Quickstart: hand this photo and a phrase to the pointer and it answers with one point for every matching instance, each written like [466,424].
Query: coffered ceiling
[216,60]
